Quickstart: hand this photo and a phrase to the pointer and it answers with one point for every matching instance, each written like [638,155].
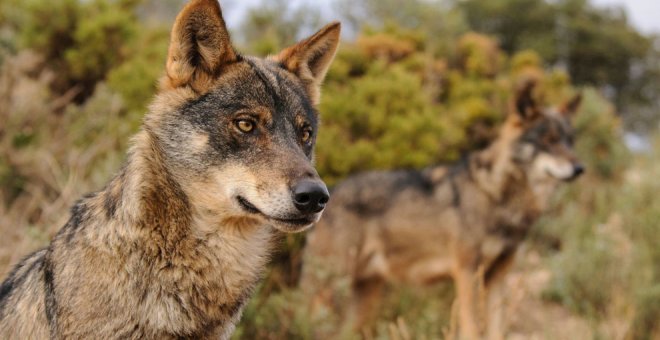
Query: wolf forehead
[549,129]
[256,87]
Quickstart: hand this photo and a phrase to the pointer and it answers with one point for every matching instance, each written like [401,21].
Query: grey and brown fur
[175,243]
[463,221]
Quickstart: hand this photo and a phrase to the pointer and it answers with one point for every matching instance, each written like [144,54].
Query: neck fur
[496,173]
[145,195]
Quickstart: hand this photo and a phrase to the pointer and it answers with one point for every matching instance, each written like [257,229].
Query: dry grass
[51,153]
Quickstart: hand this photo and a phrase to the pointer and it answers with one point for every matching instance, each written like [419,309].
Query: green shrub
[608,265]
[364,129]
[81,41]
[136,78]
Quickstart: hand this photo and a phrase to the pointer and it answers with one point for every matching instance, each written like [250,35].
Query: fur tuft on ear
[569,108]
[311,58]
[199,47]
[524,104]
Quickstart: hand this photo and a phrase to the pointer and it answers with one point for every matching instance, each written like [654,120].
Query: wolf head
[537,143]
[545,142]
[238,132]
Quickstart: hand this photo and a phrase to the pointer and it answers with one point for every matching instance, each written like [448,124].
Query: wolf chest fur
[175,243]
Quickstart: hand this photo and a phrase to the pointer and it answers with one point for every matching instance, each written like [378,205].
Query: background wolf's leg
[496,295]
[367,298]
[466,290]
[495,309]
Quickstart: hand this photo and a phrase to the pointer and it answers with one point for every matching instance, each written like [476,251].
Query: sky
[643,14]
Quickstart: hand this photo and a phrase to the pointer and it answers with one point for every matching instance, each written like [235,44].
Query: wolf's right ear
[311,58]
[524,104]
[569,108]
[199,47]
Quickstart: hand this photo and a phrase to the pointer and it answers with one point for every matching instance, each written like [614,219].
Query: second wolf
[463,221]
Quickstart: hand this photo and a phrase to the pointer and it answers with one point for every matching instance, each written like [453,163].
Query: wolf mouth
[249,207]
[563,179]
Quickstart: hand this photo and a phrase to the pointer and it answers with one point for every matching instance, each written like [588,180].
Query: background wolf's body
[173,246]
[463,221]
[418,228]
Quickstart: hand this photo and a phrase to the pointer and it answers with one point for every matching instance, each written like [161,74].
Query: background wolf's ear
[569,108]
[311,58]
[199,46]
[524,103]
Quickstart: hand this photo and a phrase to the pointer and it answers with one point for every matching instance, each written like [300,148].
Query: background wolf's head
[536,143]
[238,132]
[545,143]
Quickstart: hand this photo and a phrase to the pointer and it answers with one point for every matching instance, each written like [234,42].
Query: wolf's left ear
[524,104]
[569,108]
[199,47]
[311,58]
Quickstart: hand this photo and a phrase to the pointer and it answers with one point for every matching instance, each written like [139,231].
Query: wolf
[173,246]
[462,222]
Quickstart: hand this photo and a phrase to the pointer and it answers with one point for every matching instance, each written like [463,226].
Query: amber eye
[245,125]
[307,135]
[552,139]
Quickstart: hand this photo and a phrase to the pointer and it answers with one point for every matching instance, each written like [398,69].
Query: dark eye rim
[307,129]
[238,121]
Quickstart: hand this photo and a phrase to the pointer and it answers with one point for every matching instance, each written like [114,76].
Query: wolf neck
[214,270]
[145,195]
[495,173]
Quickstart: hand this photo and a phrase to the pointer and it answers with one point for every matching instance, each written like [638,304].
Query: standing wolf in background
[174,245]
[464,221]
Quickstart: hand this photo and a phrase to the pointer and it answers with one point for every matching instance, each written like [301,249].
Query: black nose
[310,196]
[578,169]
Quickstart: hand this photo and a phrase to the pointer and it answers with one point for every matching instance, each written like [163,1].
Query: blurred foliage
[598,46]
[607,268]
[442,22]
[409,109]
[424,81]
[600,146]
[136,78]
[642,99]
[286,315]
[80,41]
[274,24]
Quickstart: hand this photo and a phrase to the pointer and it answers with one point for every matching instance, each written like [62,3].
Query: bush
[81,41]
[409,109]
[52,151]
[607,268]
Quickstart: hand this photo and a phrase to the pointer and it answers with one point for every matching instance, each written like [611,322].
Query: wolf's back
[338,247]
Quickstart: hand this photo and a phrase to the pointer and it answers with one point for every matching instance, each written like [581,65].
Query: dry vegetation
[52,151]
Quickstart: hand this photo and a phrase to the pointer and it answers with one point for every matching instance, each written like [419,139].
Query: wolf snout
[310,196]
[578,169]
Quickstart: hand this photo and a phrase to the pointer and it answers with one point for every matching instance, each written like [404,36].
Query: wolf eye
[245,125]
[552,139]
[307,135]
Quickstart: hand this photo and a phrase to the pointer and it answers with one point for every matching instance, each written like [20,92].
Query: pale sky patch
[643,14]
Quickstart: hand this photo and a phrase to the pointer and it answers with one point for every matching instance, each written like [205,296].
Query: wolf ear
[569,108]
[311,58]
[199,46]
[525,105]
